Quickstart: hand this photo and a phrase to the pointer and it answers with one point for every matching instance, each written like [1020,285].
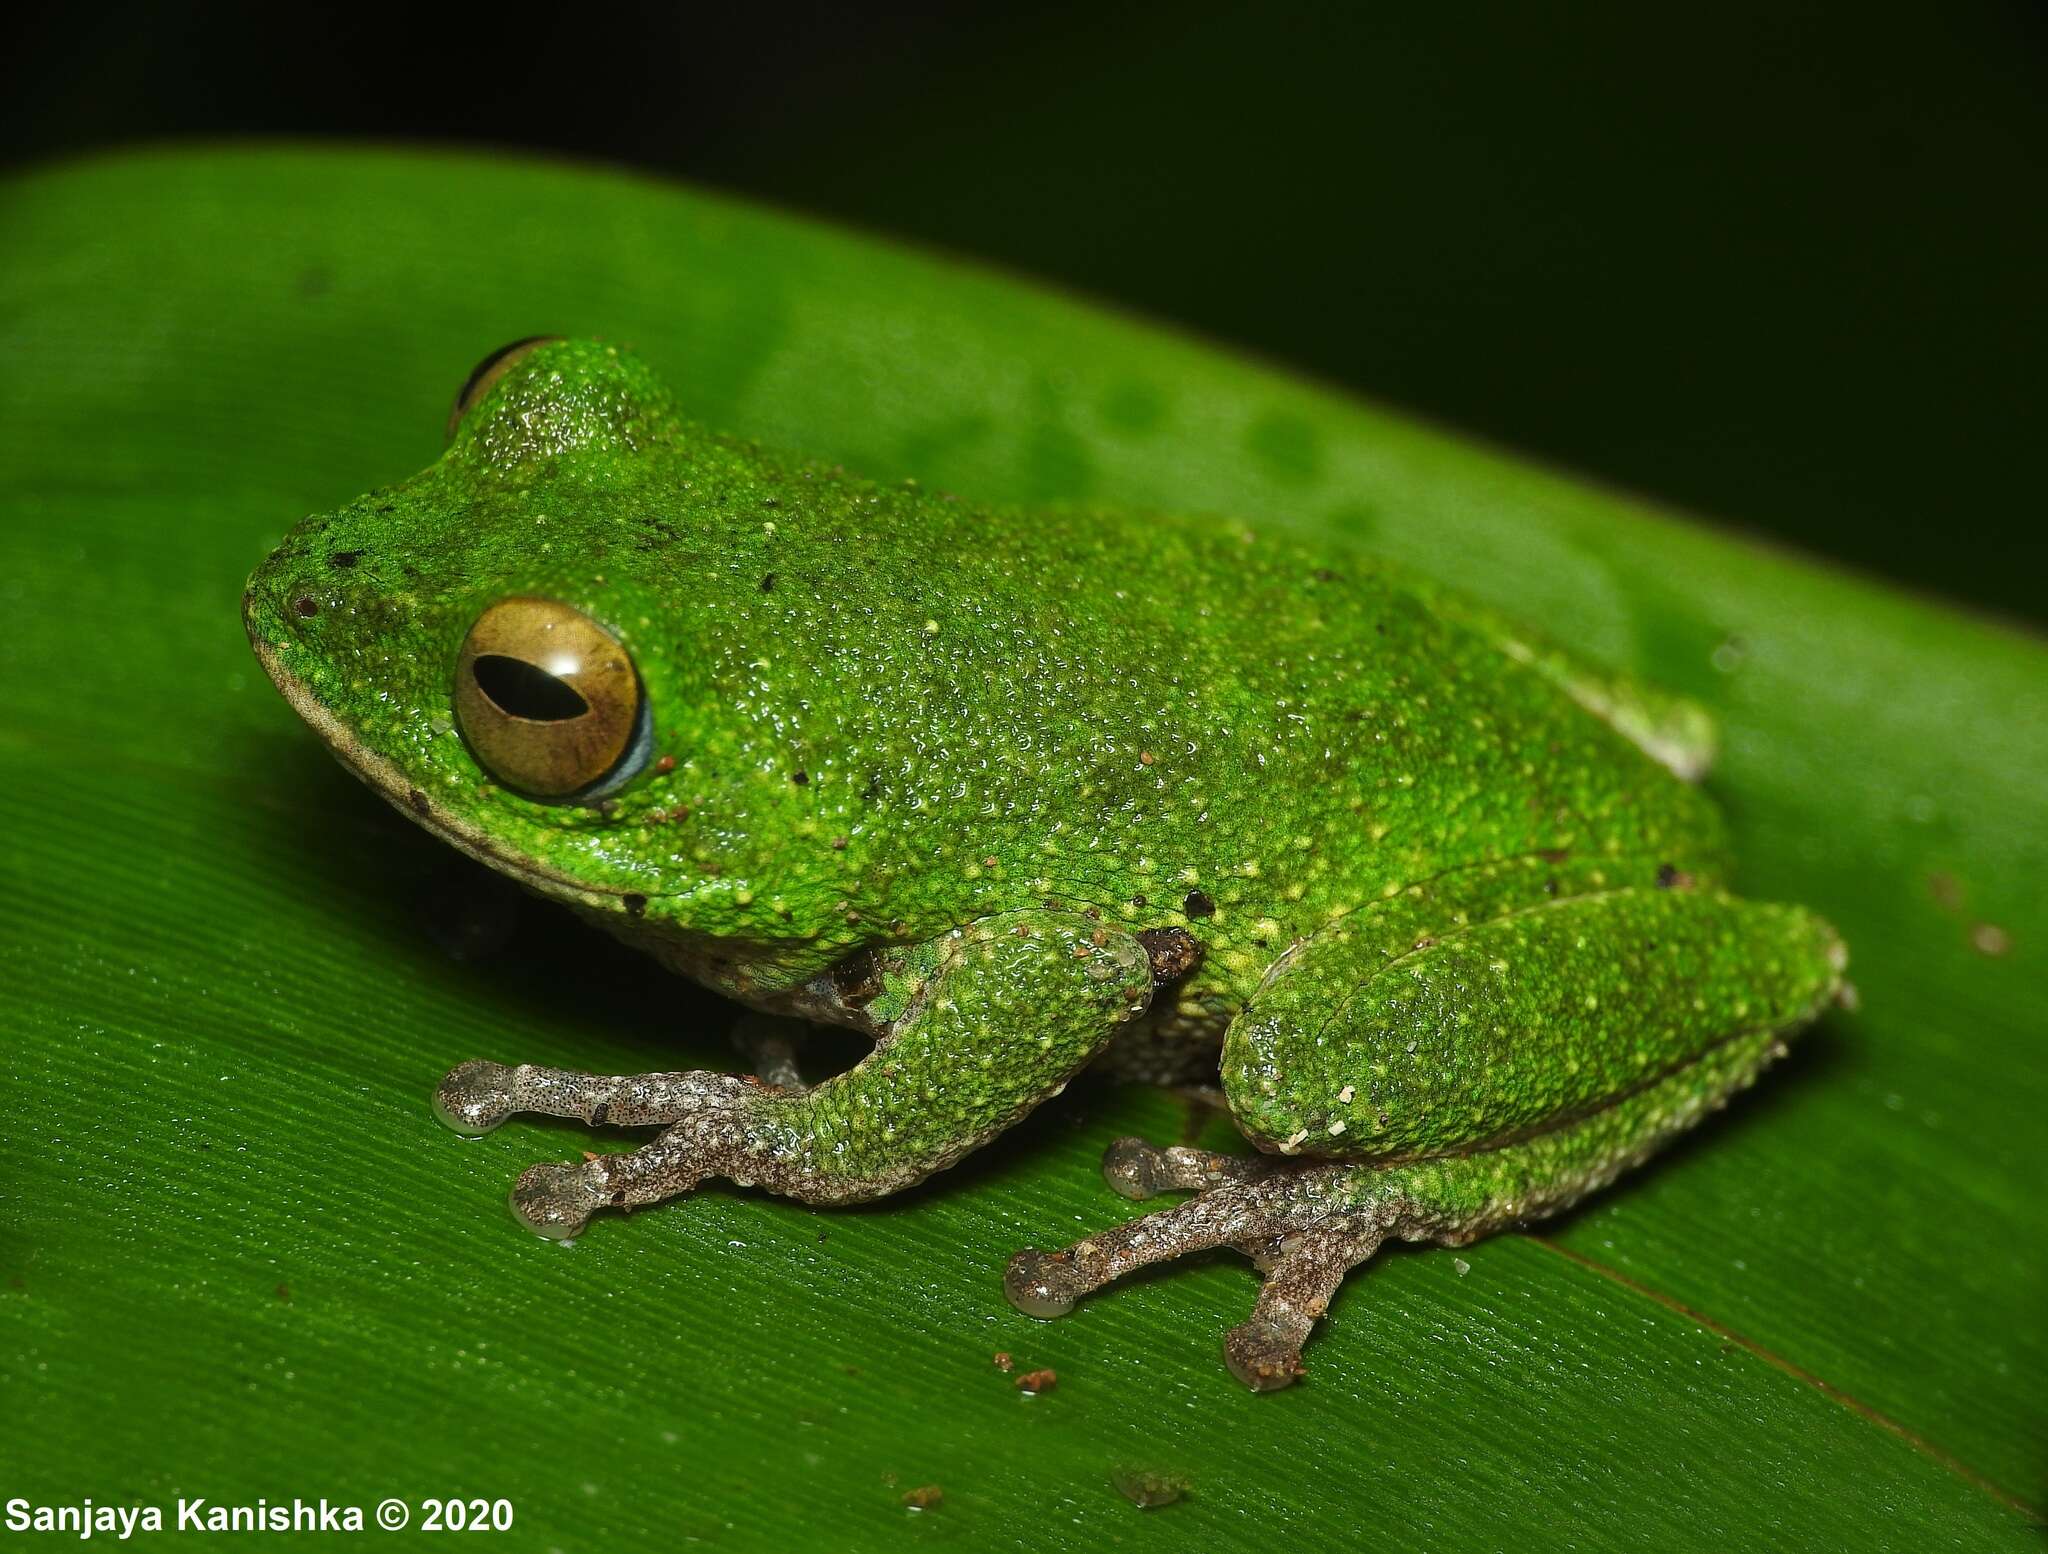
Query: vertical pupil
[523,690]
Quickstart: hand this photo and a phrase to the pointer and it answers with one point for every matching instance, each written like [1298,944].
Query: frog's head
[479,644]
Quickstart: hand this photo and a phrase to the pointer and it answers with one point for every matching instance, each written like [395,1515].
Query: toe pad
[1039,1285]
[474,1097]
[555,1201]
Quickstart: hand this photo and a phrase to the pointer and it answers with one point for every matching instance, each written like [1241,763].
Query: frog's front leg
[986,1023]
[1490,1076]
[475,1097]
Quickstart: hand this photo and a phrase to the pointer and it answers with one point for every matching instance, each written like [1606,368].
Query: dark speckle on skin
[418,801]
[1173,952]
[1198,904]
[800,777]
[634,903]
[344,558]
[768,584]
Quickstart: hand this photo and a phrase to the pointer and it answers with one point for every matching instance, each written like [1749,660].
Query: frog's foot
[557,1200]
[1299,1224]
[1137,1170]
[712,1121]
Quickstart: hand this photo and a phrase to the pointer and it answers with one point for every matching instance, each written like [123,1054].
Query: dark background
[1782,264]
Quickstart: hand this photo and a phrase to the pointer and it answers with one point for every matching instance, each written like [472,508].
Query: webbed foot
[1294,1220]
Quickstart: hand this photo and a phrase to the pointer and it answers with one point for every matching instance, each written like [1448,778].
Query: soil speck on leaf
[1148,1488]
[1990,939]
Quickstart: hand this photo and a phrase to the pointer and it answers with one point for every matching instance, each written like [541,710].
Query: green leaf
[239,1259]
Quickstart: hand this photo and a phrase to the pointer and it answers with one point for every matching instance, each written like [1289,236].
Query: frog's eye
[485,375]
[549,701]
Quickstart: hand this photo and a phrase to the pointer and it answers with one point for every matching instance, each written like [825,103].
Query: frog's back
[1159,717]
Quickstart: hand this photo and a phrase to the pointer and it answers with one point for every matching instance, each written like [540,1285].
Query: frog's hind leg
[1305,1224]
[1493,1074]
[1137,1170]
[1479,1033]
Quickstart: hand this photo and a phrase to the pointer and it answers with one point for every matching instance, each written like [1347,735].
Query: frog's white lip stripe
[386,780]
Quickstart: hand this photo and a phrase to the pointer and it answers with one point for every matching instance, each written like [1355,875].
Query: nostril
[306,605]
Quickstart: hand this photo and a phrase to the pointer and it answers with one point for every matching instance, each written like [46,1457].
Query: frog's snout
[273,604]
[255,613]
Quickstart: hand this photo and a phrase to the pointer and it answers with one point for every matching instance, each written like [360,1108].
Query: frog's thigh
[1514,1025]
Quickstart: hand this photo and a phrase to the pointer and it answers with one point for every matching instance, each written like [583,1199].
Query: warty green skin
[981,783]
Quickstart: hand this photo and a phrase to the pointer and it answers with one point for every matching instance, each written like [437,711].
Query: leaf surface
[239,1259]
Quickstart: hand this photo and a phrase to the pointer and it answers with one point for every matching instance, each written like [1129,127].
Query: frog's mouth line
[383,778]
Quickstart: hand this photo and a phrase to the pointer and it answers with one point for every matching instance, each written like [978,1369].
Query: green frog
[1017,795]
